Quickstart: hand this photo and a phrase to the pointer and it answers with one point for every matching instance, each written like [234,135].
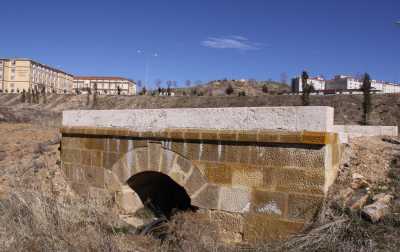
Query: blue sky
[206,39]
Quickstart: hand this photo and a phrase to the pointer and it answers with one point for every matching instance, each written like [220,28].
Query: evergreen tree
[367,106]
[229,90]
[29,96]
[95,95]
[307,89]
[23,97]
[265,89]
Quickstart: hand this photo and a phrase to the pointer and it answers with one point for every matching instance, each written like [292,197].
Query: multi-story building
[105,85]
[19,74]
[318,83]
[348,83]
[343,82]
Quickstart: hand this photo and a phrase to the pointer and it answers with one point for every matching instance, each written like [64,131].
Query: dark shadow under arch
[159,193]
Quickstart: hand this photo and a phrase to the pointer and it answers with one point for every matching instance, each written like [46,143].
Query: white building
[343,82]
[105,85]
[318,83]
[349,83]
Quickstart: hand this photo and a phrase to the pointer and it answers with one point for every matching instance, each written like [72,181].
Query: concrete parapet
[312,118]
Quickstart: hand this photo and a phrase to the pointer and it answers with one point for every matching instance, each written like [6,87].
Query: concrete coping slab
[311,118]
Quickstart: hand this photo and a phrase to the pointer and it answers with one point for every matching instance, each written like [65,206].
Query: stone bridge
[261,172]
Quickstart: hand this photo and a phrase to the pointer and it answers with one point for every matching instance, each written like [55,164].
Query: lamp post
[147,63]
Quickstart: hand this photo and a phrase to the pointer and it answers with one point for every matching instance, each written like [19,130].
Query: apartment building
[105,85]
[18,74]
[348,83]
[317,82]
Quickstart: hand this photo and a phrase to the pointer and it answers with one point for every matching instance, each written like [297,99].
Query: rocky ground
[40,212]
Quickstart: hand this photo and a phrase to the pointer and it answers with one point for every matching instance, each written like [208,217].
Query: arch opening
[160,193]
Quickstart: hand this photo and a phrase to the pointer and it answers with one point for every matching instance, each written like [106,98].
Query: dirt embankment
[348,108]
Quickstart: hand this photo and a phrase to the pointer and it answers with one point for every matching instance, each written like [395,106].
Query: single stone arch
[156,158]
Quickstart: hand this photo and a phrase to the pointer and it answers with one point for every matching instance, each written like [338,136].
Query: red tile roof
[101,78]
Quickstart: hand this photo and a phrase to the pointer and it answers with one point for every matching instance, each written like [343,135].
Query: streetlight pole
[147,64]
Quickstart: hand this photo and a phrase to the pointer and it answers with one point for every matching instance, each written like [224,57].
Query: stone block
[209,151]
[154,156]
[191,150]
[124,145]
[79,173]
[112,181]
[93,143]
[248,176]
[207,197]
[303,207]
[228,222]
[142,159]
[71,156]
[268,136]
[192,134]
[299,181]
[128,201]
[234,153]
[109,159]
[235,200]
[184,164]
[95,176]
[289,137]
[67,169]
[247,136]
[96,158]
[269,203]
[140,143]
[218,173]
[209,135]
[177,147]
[167,161]
[121,170]
[261,227]
[69,142]
[243,154]
[86,158]
[176,134]
[269,181]
[228,135]
[195,181]
[288,157]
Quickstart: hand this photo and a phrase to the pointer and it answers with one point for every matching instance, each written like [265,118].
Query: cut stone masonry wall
[272,182]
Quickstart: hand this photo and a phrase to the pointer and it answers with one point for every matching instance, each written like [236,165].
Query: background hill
[250,87]
[348,108]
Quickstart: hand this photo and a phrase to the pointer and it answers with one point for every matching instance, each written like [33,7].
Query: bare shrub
[190,232]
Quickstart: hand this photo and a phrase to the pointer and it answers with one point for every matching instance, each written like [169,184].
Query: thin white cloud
[230,42]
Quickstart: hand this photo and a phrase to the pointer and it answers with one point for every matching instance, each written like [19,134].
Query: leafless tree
[188,83]
[284,78]
[252,82]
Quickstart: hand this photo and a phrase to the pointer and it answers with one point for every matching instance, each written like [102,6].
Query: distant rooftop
[40,64]
[101,78]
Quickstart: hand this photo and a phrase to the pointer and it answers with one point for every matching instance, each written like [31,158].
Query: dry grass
[32,222]
[190,232]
